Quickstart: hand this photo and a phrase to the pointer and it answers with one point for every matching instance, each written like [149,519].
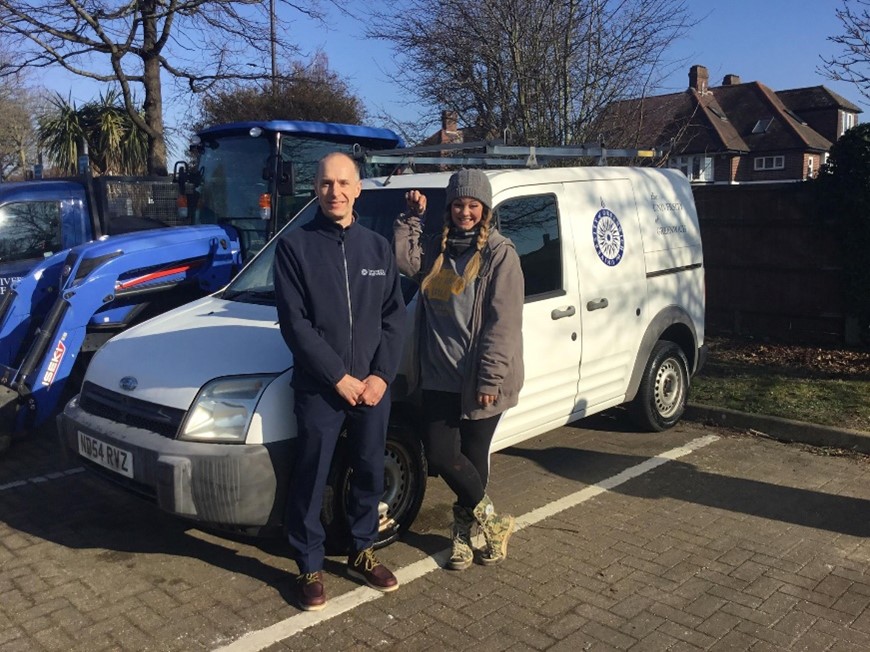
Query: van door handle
[564,312]
[597,304]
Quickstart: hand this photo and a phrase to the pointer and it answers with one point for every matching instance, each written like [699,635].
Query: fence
[773,263]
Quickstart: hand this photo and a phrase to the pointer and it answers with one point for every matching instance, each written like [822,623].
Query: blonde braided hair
[472,269]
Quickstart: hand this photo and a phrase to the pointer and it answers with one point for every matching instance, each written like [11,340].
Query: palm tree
[116,145]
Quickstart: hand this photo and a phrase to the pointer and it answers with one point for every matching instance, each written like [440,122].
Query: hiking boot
[462,554]
[310,591]
[366,567]
[496,531]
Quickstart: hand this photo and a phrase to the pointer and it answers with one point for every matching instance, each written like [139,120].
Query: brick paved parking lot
[739,544]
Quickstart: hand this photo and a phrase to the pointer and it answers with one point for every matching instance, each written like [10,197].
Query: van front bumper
[225,485]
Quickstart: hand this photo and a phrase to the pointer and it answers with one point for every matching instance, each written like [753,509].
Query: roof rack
[499,155]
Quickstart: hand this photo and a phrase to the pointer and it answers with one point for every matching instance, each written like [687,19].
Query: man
[341,313]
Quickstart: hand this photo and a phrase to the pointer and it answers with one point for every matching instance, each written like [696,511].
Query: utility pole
[272,46]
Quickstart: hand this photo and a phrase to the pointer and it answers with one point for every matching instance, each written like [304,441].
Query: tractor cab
[254,176]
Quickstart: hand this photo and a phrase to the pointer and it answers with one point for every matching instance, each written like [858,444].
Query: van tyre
[405,474]
[664,389]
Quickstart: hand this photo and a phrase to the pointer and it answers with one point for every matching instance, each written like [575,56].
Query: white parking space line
[284,629]
[39,479]
[537,515]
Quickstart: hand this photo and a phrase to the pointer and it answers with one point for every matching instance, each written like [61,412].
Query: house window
[696,168]
[848,121]
[762,126]
[811,165]
[769,162]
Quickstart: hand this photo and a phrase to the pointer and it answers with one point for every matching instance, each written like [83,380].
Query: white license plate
[113,458]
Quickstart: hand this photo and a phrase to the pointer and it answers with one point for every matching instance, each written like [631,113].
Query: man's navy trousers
[320,417]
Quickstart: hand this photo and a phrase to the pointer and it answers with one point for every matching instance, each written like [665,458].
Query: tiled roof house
[734,133]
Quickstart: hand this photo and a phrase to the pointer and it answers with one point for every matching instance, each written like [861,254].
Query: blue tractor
[78,271]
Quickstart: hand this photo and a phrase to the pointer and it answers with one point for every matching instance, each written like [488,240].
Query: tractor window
[305,152]
[232,178]
[29,230]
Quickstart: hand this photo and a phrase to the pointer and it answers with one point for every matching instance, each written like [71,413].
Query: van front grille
[130,411]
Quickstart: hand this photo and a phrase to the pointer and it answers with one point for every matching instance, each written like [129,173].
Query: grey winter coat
[496,360]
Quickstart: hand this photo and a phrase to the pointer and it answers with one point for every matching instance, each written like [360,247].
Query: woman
[469,330]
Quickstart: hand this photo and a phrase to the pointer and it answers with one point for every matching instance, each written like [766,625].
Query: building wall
[741,169]
[794,168]
[743,173]
[725,168]
[817,162]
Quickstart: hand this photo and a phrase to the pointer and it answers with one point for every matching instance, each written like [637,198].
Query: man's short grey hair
[342,154]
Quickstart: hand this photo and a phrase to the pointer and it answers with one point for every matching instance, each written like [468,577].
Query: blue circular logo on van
[608,237]
[128,383]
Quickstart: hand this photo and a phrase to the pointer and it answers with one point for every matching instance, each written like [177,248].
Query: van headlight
[223,409]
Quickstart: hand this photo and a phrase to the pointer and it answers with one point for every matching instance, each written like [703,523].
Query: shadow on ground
[682,481]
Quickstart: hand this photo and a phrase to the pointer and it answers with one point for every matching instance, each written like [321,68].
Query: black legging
[457,449]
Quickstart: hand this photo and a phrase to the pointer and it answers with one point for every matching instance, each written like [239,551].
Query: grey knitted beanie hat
[470,183]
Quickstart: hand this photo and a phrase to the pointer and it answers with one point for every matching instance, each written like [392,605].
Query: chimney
[448,121]
[731,80]
[698,78]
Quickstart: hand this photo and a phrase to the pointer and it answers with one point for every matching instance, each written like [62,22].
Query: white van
[194,408]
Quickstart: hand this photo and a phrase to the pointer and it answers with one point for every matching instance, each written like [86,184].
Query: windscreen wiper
[259,295]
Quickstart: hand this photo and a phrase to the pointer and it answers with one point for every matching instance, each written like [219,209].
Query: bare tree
[853,64]
[197,42]
[536,71]
[306,92]
[17,138]
[19,103]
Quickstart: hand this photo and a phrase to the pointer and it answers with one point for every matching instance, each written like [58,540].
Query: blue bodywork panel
[100,287]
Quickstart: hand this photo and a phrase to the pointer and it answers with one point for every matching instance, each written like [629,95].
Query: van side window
[29,230]
[532,224]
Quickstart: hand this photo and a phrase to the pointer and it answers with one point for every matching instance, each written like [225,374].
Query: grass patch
[764,385]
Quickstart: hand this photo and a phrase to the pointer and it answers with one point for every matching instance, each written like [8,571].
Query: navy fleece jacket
[340,305]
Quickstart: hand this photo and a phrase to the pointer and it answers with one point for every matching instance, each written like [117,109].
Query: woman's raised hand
[416,201]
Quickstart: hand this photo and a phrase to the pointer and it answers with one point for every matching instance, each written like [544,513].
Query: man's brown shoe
[310,591]
[366,567]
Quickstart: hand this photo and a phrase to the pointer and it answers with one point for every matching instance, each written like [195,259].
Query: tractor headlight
[223,409]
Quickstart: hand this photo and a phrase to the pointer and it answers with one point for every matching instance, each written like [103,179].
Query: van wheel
[664,388]
[405,476]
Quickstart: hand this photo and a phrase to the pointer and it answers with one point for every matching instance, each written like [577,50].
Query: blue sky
[776,42]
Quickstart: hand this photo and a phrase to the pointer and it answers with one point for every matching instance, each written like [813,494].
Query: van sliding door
[609,252]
